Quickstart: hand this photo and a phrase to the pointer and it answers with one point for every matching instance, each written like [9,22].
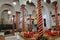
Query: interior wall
[6,7]
[50,21]
[45,10]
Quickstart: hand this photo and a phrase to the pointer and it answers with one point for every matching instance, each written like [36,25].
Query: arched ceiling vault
[7,7]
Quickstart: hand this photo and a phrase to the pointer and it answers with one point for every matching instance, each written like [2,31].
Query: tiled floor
[14,38]
[10,37]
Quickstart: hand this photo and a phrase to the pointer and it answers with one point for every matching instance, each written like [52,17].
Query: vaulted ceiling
[20,2]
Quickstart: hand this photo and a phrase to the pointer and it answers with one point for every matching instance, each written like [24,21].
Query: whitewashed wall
[46,9]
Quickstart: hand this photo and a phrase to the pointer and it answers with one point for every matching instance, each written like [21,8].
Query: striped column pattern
[56,14]
[40,21]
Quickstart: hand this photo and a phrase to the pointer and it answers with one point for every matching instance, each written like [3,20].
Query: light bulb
[9,12]
[14,3]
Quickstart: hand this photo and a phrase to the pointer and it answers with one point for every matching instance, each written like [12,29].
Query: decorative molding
[32,4]
[54,15]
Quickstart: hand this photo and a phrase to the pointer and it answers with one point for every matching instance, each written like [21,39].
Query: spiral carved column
[40,21]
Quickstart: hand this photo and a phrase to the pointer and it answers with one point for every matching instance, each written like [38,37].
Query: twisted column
[40,21]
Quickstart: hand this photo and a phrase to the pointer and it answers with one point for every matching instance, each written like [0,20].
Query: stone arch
[6,7]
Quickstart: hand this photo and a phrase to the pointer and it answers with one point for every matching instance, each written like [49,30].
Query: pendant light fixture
[14,2]
[9,12]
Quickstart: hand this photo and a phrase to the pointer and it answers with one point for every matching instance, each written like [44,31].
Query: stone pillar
[17,20]
[50,19]
[23,25]
[13,31]
[30,23]
[56,13]
[40,21]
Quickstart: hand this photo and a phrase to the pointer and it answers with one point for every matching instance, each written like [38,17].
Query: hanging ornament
[14,2]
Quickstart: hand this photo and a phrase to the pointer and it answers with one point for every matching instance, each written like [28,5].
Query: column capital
[13,15]
[18,12]
[22,6]
[50,12]
[54,3]
[29,14]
